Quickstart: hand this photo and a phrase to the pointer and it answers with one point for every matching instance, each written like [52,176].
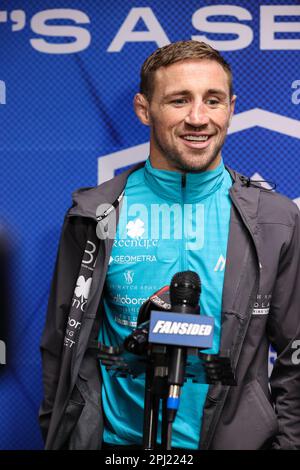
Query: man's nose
[197,115]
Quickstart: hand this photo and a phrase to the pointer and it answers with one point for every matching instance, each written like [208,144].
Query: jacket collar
[244,195]
[183,187]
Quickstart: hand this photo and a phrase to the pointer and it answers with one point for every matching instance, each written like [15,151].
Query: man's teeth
[199,138]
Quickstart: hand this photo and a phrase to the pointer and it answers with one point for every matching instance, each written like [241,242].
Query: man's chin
[189,165]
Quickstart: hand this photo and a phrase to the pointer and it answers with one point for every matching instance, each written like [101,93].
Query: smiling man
[182,209]
[188,109]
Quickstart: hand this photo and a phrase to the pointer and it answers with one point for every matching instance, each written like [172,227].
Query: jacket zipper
[220,405]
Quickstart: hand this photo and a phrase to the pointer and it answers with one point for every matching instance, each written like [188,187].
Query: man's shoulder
[86,200]
[275,207]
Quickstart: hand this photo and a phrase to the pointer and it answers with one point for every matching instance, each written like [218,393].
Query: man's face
[189,115]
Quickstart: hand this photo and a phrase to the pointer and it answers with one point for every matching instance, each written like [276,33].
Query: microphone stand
[156,389]
[216,369]
[200,367]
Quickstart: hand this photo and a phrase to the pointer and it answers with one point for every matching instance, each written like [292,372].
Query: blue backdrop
[68,74]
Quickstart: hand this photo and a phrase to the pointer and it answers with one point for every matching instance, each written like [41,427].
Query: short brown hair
[175,52]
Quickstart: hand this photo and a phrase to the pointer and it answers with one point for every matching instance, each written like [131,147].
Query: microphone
[185,292]
[137,341]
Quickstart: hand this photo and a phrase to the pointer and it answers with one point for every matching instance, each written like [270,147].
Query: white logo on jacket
[262,304]
[135,229]
[220,266]
[83,287]
[129,277]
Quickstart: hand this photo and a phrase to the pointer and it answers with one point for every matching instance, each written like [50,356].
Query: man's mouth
[196,138]
[197,141]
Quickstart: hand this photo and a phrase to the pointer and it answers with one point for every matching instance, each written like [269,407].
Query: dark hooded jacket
[260,306]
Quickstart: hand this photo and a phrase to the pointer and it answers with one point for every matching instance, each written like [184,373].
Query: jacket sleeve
[284,334]
[70,252]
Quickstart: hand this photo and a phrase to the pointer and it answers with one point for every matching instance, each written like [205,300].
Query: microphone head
[185,288]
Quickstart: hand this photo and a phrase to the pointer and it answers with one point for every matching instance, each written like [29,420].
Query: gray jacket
[260,306]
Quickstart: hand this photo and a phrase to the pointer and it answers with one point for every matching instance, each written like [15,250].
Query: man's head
[187,100]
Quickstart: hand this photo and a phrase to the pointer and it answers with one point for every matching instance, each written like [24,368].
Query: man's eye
[212,101]
[179,101]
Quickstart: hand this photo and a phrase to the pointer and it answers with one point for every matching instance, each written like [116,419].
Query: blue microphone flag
[181,329]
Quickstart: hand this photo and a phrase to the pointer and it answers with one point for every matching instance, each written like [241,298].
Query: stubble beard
[199,163]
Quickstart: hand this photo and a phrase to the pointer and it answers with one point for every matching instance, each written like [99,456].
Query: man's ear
[141,108]
[232,106]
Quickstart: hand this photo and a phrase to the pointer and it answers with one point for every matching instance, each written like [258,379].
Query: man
[182,210]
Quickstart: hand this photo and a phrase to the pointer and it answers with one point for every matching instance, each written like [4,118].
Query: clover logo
[83,287]
[135,228]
